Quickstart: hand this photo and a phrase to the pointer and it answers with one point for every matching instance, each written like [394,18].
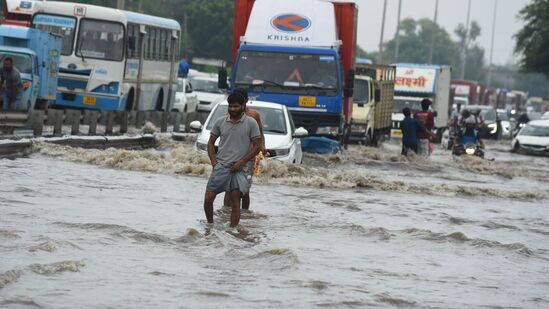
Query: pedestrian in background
[427,119]
[14,85]
[410,127]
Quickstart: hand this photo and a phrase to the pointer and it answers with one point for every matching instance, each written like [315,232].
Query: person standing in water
[427,119]
[257,117]
[240,142]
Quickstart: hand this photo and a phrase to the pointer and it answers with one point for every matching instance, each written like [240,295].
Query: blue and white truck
[36,55]
[300,54]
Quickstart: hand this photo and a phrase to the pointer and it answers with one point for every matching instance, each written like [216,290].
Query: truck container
[36,55]
[469,92]
[372,103]
[299,53]
[415,82]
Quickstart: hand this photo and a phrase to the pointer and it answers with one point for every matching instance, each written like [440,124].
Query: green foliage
[532,41]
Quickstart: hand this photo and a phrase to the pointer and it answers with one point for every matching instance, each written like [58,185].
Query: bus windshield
[281,72]
[63,26]
[100,40]
[22,62]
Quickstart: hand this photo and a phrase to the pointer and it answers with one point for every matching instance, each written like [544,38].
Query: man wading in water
[240,142]
[257,117]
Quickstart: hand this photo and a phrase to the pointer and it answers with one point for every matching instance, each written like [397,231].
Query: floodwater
[125,229]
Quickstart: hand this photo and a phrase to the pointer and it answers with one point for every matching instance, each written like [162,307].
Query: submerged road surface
[125,229]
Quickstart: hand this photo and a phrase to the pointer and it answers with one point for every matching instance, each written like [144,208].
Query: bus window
[100,40]
[63,26]
[163,55]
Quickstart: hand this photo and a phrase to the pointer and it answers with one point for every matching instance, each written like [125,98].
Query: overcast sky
[451,13]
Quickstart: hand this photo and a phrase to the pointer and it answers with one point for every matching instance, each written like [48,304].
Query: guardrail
[88,122]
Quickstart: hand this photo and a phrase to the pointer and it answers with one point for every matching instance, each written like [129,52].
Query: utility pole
[489,83]
[433,37]
[465,42]
[380,56]
[397,35]
[121,4]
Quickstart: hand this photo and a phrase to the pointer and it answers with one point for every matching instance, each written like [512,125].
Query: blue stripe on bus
[72,84]
[102,103]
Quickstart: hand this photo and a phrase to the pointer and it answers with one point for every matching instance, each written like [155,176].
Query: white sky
[451,13]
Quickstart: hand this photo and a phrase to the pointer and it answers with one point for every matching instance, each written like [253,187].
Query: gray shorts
[423,147]
[223,179]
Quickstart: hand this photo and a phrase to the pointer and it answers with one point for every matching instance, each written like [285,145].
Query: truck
[36,55]
[415,82]
[469,92]
[372,103]
[300,54]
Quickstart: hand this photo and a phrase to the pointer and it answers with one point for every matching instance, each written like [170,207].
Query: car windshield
[288,73]
[61,25]
[22,62]
[100,40]
[203,85]
[503,116]
[400,104]
[361,91]
[532,130]
[273,119]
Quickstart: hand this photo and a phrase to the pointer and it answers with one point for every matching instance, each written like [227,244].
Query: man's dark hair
[8,59]
[406,111]
[425,103]
[236,98]
[243,92]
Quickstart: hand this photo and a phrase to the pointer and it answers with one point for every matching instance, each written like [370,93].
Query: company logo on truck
[291,23]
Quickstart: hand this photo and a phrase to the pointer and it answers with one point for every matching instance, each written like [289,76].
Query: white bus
[112,59]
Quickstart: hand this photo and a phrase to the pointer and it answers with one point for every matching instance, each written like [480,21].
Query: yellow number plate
[307,101]
[89,101]
[396,133]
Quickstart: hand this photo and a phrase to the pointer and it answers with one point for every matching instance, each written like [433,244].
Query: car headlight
[279,152]
[201,147]
[493,128]
[328,131]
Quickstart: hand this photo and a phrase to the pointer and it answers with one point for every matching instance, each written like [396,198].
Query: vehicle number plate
[396,133]
[307,101]
[89,101]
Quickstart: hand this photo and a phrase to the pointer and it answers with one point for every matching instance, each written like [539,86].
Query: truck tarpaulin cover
[20,6]
[307,23]
[415,80]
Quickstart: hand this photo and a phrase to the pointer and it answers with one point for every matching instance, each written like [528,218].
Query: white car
[545,116]
[207,91]
[186,100]
[533,138]
[282,139]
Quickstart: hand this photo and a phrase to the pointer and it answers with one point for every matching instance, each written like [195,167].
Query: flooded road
[125,229]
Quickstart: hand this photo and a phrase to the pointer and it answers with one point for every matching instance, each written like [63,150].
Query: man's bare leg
[227,199]
[235,205]
[209,199]
[246,201]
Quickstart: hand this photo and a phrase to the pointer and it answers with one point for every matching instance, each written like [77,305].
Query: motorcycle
[468,149]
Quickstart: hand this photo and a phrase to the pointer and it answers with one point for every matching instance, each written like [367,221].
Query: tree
[532,41]
[415,39]
[474,54]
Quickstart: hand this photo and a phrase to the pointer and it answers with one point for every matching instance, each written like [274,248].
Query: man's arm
[256,147]
[211,150]
[13,98]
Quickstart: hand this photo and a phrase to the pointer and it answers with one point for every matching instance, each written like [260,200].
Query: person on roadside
[257,117]
[13,85]
[427,119]
[410,128]
[240,142]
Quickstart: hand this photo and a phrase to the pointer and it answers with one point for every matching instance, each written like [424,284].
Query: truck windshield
[400,104]
[361,91]
[60,25]
[100,40]
[22,62]
[293,73]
